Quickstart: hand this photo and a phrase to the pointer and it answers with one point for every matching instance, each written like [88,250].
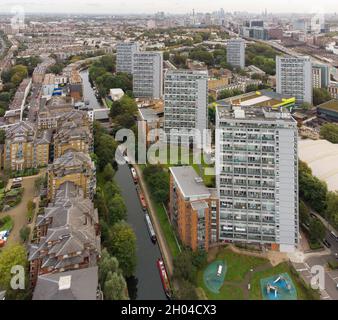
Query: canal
[146,285]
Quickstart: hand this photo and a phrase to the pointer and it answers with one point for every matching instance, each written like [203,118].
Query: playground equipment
[282,279]
[270,288]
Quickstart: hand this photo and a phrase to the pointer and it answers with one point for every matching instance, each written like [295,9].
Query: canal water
[146,285]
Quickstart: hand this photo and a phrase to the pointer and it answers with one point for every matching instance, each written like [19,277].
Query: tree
[306,106]
[304,214]
[117,210]
[329,131]
[316,230]
[24,233]
[158,181]
[186,291]
[115,287]
[184,269]
[108,172]
[166,55]
[332,208]
[311,189]
[320,95]
[11,256]
[123,247]
[106,264]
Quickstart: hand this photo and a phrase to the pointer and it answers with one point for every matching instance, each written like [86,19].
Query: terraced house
[73,166]
[67,234]
[72,137]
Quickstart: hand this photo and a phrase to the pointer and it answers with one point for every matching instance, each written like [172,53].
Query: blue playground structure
[278,287]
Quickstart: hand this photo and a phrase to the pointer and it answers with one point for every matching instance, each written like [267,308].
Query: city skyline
[147,7]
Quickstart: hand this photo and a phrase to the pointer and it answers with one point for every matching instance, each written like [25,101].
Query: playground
[214,275]
[278,287]
[248,277]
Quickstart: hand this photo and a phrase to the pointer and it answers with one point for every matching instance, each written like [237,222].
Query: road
[312,259]
[147,284]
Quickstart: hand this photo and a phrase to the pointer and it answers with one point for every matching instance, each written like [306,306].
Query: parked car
[327,243]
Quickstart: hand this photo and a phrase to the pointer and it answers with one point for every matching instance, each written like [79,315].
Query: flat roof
[331,105]
[148,114]
[189,182]
[260,98]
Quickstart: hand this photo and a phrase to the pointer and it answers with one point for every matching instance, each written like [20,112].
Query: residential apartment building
[294,77]
[19,146]
[333,89]
[185,102]
[320,75]
[148,74]
[72,137]
[257,175]
[236,53]
[193,208]
[73,166]
[124,56]
[75,86]
[67,234]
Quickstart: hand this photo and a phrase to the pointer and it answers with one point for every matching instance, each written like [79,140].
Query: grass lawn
[167,229]
[227,292]
[6,223]
[303,293]
[238,265]
[109,102]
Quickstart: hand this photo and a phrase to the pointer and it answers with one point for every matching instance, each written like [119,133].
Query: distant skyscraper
[236,53]
[185,100]
[124,56]
[148,74]
[294,77]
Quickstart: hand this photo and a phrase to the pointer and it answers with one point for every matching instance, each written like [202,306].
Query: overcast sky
[173,6]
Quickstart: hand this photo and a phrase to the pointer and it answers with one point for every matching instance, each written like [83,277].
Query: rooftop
[189,182]
[72,285]
[254,113]
[331,105]
[263,98]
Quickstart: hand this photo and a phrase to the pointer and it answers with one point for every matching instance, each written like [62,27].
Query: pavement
[303,263]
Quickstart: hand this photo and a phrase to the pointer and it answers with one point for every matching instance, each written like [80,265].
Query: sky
[171,6]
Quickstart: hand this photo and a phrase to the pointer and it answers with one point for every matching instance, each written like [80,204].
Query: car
[327,243]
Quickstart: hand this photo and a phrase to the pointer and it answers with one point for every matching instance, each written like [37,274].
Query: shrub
[24,233]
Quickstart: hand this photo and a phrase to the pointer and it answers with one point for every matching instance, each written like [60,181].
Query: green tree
[115,287]
[332,208]
[316,230]
[304,214]
[117,210]
[184,269]
[320,95]
[108,172]
[329,131]
[24,233]
[311,189]
[158,182]
[123,247]
[106,264]
[186,291]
